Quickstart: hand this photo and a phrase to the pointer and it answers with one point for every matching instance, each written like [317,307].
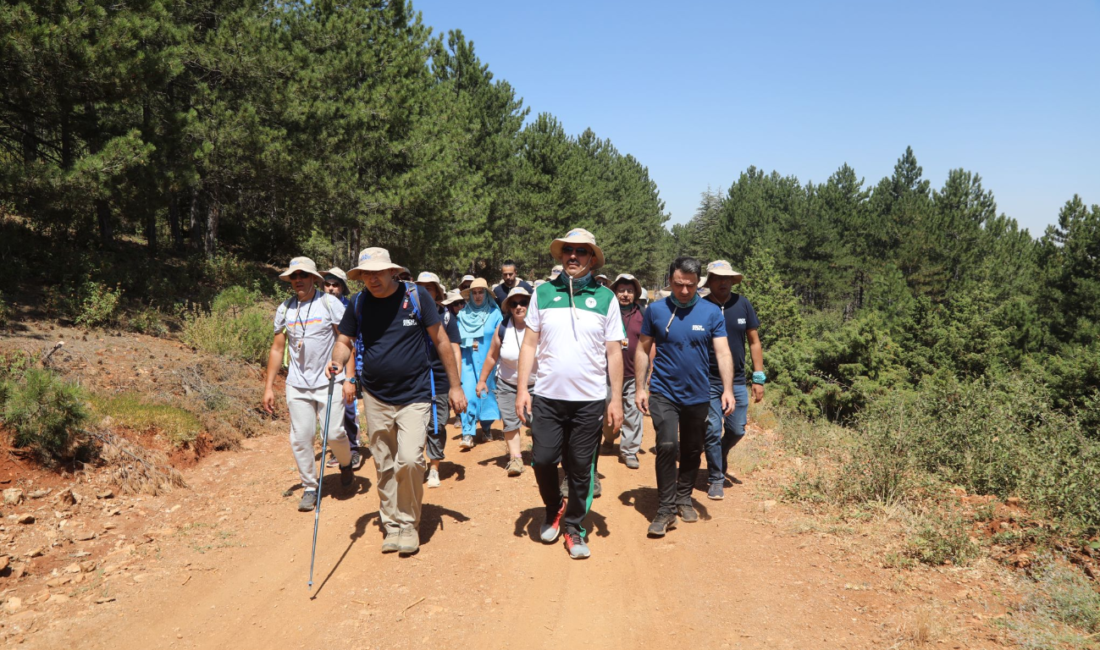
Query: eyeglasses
[580,251]
[298,275]
[520,303]
[331,284]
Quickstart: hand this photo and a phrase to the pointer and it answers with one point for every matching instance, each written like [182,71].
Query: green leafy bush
[941,538]
[95,304]
[44,412]
[237,326]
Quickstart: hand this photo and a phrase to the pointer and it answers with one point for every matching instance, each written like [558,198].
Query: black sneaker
[356,460]
[688,513]
[716,492]
[662,523]
[347,474]
[308,502]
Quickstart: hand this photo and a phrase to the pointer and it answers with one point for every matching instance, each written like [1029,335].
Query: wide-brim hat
[303,264]
[516,292]
[454,295]
[404,270]
[373,259]
[466,278]
[644,295]
[724,269]
[478,283]
[338,272]
[425,278]
[579,237]
[626,277]
[555,272]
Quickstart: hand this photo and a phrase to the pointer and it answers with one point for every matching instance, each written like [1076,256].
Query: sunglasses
[298,275]
[331,284]
[520,303]
[569,250]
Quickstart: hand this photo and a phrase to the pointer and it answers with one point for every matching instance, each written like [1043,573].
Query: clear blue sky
[698,91]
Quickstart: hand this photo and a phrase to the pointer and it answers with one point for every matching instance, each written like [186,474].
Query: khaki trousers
[397,437]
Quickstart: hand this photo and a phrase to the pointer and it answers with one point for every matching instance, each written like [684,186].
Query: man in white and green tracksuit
[575,331]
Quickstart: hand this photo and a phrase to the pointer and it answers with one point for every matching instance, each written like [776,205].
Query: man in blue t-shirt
[509,280]
[393,324]
[685,328]
[723,432]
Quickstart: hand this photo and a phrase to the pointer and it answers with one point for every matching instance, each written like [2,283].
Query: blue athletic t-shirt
[450,326]
[740,317]
[680,367]
[395,348]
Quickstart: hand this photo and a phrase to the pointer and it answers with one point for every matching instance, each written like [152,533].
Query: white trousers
[307,417]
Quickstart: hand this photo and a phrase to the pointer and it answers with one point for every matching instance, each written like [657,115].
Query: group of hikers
[565,357]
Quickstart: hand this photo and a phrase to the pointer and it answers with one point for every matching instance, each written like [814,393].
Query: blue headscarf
[472,319]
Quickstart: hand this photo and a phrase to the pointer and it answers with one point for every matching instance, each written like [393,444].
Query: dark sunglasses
[298,275]
[332,284]
[520,303]
[569,250]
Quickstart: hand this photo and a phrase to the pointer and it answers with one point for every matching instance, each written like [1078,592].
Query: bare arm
[757,352]
[274,362]
[725,369]
[491,358]
[615,374]
[526,361]
[642,355]
[450,365]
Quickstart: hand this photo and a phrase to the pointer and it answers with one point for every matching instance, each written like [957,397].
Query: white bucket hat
[465,279]
[338,273]
[426,278]
[454,295]
[303,264]
[645,294]
[579,237]
[626,277]
[721,268]
[555,272]
[516,292]
[373,259]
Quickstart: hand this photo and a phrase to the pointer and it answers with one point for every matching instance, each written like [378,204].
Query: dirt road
[224,564]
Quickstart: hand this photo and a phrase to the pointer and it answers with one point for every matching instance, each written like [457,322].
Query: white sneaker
[433,478]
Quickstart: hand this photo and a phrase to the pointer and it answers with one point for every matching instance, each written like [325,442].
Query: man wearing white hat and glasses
[394,325]
[307,323]
[437,425]
[575,333]
[725,431]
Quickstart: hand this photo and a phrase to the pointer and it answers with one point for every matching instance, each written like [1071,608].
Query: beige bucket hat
[626,277]
[644,295]
[454,295]
[303,264]
[579,237]
[373,259]
[516,292]
[464,280]
[427,279]
[555,272]
[721,268]
[338,272]
[478,283]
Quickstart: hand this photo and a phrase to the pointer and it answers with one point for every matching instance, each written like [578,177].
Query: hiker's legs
[715,423]
[304,406]
[631,440]
[666,422]
[382,435]
[437,434]
[693,429]
[548,418]
[581,443]
[408,466]
[734,429]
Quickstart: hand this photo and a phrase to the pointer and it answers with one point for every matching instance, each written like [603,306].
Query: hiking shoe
[564,487]
[347,475]
[408,541]
[467,443]
[574,543]
[688,514]
[391,544]
[662,523]
[550,530]
[356,459]
[515,466]
[716,492]
[331,461]
[631,461]
[433,478]
[308,502]
[597,489]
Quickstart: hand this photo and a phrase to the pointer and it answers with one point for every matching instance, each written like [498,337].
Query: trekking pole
[320,481]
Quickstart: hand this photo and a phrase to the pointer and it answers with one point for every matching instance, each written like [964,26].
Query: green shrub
[178,425]
[238,326]
[5,312]
[148,321]
[44,412]
[940,538]
[1060,609]
[95,304]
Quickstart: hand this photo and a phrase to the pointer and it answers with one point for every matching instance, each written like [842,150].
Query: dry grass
[136,469]
[923,628]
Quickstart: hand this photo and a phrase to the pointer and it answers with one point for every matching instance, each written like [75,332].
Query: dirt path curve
[225,564]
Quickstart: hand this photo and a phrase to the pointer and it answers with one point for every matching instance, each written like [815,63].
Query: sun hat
[405,271]
[478,283]
[465,279]
[338,273]
[538,283]
[516,292]
[303,264]
[645,295]
[602,276]
[454,295]
[581,237]
[555,272]
[626,277]
[721,268]
[373,259]
[427,278]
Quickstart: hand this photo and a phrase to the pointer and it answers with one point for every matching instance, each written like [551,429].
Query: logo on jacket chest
[409,322]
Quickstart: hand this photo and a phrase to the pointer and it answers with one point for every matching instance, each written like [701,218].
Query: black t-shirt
[501,292]
[450,326]
[740,317]
[395,344]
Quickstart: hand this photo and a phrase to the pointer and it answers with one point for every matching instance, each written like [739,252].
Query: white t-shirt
[310,337]
[573,336]
[508,368]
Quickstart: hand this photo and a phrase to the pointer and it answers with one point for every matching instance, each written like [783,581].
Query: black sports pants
[674,488]
[568,433]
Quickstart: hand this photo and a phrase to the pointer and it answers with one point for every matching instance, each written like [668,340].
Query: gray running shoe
[308,502]
[631,461]
[688,514]
[552,527]
[467,443]
[356,459]
[433,478]
[390,544]
[716,492]
[408,542]
[662,523]
[515,466]
[574,543]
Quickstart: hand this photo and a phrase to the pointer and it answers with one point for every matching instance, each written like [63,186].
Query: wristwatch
[759,377]
[353,380]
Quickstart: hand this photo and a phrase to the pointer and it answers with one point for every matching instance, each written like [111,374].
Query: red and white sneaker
[552,528]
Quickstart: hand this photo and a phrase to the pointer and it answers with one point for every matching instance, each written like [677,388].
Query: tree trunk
[210,234]
[174,221]
[106,228]
[196,228]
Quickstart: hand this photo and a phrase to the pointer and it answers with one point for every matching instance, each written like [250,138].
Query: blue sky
[698,91]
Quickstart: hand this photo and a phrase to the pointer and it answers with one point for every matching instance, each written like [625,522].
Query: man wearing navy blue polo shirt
[685,329]
[725,431]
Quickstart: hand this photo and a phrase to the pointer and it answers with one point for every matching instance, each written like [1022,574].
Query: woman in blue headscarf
[477,324]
